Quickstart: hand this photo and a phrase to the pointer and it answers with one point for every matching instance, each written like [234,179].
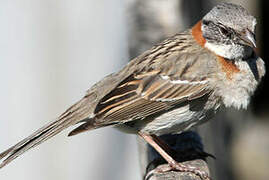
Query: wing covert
[144,94]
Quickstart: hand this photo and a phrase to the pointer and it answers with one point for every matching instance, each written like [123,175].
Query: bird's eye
[225,31]
[206,22]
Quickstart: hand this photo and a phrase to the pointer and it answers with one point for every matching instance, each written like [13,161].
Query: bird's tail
[74,114]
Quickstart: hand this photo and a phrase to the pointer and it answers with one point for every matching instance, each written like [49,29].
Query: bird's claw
[179,167]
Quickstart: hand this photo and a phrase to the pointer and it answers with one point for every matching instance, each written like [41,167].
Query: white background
[51,52]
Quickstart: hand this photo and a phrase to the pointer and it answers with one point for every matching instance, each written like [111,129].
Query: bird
[178,84]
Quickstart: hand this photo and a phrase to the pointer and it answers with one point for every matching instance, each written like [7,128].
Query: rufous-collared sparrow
[172,87]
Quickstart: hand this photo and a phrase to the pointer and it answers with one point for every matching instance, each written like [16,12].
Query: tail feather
[90,124]
[73,115]
[33,140]
[83,127]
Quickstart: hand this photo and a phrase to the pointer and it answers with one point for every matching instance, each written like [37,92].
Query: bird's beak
[248,38]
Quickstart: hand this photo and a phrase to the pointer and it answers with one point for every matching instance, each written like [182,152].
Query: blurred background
[52,51]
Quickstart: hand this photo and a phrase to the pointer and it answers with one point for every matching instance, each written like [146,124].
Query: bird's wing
[144,94]
[155,88]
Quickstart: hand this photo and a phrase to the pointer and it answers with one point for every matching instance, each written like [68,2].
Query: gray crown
[233,16]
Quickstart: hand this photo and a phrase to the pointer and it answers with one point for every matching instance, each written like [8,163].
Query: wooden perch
[188,150]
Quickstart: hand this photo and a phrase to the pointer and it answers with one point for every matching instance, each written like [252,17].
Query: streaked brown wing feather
[167,90]
[142,96]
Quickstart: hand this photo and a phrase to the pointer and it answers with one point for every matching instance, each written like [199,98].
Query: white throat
[231,51]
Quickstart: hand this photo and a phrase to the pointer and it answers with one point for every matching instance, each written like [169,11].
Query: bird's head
[229,31]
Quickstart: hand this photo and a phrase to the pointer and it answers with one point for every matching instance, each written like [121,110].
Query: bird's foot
[175,166]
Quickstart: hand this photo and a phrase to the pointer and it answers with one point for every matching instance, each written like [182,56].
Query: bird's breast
[236,90]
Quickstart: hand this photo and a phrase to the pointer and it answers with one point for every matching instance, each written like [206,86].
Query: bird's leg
[163,144]
[172,152]
[172,163]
